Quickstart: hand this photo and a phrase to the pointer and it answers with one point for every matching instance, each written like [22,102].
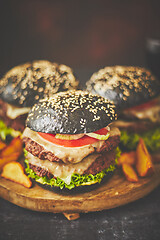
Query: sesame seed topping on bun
[71,112]
[127,86]
[25,84]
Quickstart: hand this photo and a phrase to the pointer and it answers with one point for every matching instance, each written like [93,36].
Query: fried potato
[71,216]
[144,163]
[129,158]
[2,145]
[129,172]
[15,172]
[16,145]
[7,159]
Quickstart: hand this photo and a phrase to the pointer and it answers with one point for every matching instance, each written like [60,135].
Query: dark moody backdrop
[80,33]
[86,35]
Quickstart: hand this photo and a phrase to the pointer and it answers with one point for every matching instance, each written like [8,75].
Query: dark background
[86,35]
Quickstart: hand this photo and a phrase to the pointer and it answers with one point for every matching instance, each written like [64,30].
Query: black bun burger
[135,92]
[25,84]
[69,140]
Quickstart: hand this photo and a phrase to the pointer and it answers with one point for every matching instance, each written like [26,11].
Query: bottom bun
[78,182]
[76,190]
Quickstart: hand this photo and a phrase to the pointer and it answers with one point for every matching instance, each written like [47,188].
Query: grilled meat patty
[52,152]
[99,163]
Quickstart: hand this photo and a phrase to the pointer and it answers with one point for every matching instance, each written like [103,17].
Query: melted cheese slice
[152,113]
[62,170]
[13,112]
[67,154]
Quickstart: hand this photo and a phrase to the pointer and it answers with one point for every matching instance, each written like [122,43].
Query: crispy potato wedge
[7,159]
[2,145]
[15,172]
[16,145]
[129,158]
[144,163]
[129,172]
[71,216]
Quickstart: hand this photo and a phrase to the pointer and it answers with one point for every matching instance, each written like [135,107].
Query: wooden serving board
[116,192]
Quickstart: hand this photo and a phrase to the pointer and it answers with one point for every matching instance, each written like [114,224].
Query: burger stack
[136,94]
[69,140]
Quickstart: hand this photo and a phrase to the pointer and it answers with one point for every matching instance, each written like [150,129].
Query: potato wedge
[71,216]
[129,158]
[129,172]
[2,145]
[144,163]
[16,145]
[15,172]
[7,159]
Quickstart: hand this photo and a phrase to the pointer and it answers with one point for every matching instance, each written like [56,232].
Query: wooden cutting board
[116,192]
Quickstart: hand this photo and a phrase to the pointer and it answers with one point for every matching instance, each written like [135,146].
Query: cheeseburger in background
[25,84]
[136,94]
[69,140]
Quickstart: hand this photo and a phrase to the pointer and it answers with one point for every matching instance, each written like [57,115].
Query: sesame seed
[40,76]
[65,103]
[125,78]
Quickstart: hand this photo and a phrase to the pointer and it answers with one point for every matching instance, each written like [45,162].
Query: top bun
[125,85]
[25,84]
[71,112]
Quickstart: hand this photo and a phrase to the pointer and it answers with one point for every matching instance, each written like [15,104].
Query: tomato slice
[85,140]
[144,105]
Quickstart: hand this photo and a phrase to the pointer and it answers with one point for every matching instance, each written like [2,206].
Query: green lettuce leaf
[5,131]
[76,179]
[151,139]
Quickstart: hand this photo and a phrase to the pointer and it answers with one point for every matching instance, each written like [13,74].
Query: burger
[24,85]
[69,140]
[136,94]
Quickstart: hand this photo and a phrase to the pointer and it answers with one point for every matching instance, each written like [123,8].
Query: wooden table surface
[135,221]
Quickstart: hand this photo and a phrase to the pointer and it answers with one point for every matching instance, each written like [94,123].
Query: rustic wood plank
[116,192]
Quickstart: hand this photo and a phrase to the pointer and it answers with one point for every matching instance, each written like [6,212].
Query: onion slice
[78,136]
[98,136]
[69,136]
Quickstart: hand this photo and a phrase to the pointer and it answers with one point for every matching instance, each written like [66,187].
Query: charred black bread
[126,86]
[25,84]
[132,87]
[71,112]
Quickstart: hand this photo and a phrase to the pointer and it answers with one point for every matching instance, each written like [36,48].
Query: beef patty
[38,151]
[103,161]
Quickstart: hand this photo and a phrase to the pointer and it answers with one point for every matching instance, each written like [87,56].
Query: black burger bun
[71,112]
[126,86]
[25,84]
